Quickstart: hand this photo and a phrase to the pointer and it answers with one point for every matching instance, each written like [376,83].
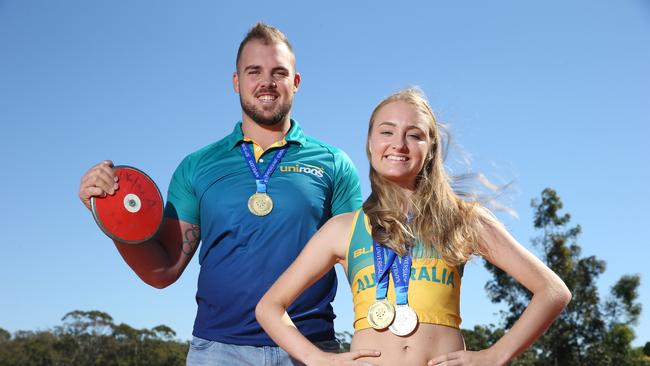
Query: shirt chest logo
[302,168]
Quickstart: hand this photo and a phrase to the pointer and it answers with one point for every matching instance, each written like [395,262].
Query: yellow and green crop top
[434,286]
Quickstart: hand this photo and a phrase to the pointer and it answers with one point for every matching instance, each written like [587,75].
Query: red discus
[134,213]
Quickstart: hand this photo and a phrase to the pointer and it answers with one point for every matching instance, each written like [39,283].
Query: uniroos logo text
[302,168]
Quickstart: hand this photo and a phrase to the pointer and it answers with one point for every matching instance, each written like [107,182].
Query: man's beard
[254,113]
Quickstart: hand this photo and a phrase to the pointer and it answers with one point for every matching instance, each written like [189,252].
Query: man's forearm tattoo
[191,238]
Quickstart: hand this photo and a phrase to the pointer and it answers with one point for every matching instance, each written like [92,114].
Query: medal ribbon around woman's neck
[382,312]
[406,320]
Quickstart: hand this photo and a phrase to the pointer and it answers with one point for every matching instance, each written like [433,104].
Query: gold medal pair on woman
[381,314]
[260,204]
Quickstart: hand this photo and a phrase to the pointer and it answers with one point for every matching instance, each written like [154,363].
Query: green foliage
[481,337]
[621,307]
[589,331]
[4,336]
[344,338]
[91,338]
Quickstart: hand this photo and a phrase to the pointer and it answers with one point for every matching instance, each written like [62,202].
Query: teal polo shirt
[241,254]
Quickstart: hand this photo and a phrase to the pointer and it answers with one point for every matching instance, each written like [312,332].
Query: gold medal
[381,314]
[260,204]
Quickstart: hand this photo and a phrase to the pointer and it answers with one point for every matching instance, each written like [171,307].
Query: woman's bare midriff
[425,343]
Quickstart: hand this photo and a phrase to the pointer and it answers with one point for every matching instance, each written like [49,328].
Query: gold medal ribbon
[260,203]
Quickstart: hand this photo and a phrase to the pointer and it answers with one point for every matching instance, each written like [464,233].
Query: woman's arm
[324,250]
[550,297]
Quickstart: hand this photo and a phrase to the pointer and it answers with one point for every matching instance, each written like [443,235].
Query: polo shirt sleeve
[346,195]
[182,203]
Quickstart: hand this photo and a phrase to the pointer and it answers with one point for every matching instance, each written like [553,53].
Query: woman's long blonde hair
[440,219]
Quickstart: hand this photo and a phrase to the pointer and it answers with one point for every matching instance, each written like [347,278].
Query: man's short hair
[267,35]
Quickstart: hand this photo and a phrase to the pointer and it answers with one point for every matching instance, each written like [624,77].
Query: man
[251,227]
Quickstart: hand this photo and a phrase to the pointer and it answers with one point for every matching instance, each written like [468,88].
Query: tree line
[92,338]
[591,331]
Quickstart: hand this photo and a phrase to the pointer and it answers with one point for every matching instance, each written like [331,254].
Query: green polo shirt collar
[295,134]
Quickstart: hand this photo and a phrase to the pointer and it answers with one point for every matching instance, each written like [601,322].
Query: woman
[404,254]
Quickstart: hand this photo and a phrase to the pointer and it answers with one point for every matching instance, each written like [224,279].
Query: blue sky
[548,94]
